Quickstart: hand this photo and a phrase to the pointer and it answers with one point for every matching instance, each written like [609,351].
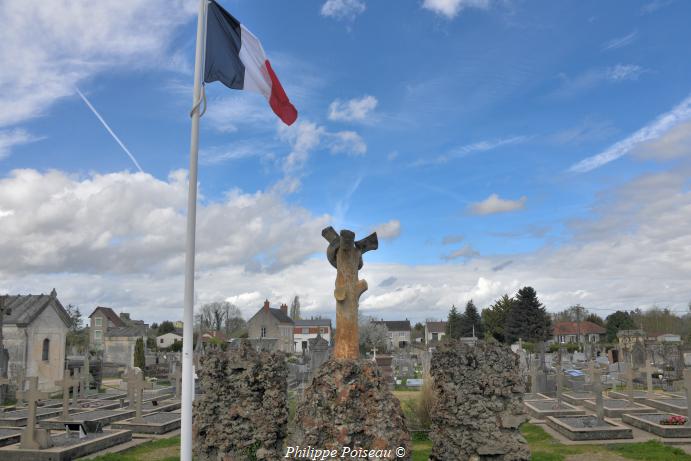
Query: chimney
[284,308]
[266,305]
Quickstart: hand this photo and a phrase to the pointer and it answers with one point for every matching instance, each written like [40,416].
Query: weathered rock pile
[479,404]
[243,413]
[349,404]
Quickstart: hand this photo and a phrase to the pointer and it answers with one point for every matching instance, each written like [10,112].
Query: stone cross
[66,382]
[345,254]
[374,354]
[560,385]
[648,370]
[687,387]
[597,390]
[130,377]
[177,376]
[591,371]
[138,386]
[85,379]
[20,384]
[629,382]
[77,375]
[28,439]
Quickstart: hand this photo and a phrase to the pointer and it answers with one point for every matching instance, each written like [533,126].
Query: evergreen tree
[528,319]
[454,324]
[471,321]
[295,308]
[620,320]
[139,360]
[494,317]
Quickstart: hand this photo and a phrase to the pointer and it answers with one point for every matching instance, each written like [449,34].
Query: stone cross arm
[32,394]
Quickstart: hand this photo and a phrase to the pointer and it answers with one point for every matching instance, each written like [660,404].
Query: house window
[97,336]
[263,334]
[305,331]
[161,341]
[98,321]
[46,349]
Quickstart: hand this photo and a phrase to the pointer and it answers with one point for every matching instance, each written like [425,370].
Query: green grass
[156,450]
[650,451]
[421,450]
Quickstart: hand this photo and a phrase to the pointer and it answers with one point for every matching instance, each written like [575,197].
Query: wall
[263,318]
[119,349]
[47,325]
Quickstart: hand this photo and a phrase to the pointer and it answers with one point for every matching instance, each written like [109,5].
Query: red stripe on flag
[279,101]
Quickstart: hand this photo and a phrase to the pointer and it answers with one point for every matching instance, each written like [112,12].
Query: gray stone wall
[349,404]
[243,411]
[479,403]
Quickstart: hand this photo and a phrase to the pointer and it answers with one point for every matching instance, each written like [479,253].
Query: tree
[471,321]
[418,331]
[77,335]
[176,346]
[528,319]
[295,308]
[213,316]
[165,327]
[454,324]
[620,320]
[596,319]
[372,335]
[139,359]
[494,317]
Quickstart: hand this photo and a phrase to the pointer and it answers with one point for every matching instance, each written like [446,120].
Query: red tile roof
[571,328]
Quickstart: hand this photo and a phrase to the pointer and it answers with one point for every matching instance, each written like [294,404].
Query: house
[273,325]
[571,332]
[668,338]
[166,340]
[434,331]
[34,332]
[309,329]
[115,335]
[214,336]
[399,332]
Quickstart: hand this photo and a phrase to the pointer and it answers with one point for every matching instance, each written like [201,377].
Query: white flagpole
[188,314]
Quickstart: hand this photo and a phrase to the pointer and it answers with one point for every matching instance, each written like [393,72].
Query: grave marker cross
[597,390]
[533,375]
[177,376]
[31,396]
[77,376]
[629,382]
[648,370]
[85,380]
[66,382]
[138,386]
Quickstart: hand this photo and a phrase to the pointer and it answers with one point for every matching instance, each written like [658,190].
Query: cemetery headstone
[597,390]
[319,353]
[85,381]
[176,377]
[138,386]
[629,382]
[649,370]
[129,378]
[77,375]
[560,385]
[32,437]
[533,376]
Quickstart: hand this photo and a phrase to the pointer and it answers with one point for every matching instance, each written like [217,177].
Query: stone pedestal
[242,413]
[479,404]
[349,404]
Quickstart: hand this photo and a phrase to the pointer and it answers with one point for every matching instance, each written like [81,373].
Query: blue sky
[476,136]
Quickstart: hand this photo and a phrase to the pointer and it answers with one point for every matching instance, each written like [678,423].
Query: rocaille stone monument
[348,403]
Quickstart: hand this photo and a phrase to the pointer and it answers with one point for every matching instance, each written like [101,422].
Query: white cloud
[343,9]
[591,78]
[468,149]
[622,72]
[358,110]
[451,8]
[46,48]
[466,251]
[56,245]
[347,142]
[674,143]
[388,230]
[495,204]
[620,42]
[228,113]
[11,138]
[653,130]
[122,223]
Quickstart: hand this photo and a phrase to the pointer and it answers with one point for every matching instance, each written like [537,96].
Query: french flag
[235,58]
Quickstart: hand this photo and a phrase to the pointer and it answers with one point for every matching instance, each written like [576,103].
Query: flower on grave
[674,420]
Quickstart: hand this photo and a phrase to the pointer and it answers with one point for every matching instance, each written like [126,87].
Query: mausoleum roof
[23,309]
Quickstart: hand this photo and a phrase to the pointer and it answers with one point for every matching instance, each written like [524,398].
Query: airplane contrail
[112,133]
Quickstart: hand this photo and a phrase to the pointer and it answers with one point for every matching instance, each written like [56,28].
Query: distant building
[569,332]
[434,331]
[628,338]
[668,338]
[34,332]
[309,329]
[272,325]
[166,340]
[399,332]
[115,335]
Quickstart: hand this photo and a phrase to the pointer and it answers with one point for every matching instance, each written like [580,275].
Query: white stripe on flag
[252,56]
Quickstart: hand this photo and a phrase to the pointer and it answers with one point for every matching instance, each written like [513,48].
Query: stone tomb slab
[161,405]
[154,423]
[9,435]
[67,447]
[528,396]
[639,396]
[675,405]
[650,422]
[105,417]
[540,409]
[614,408]
[18,418]
[577,397]
[588,428]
